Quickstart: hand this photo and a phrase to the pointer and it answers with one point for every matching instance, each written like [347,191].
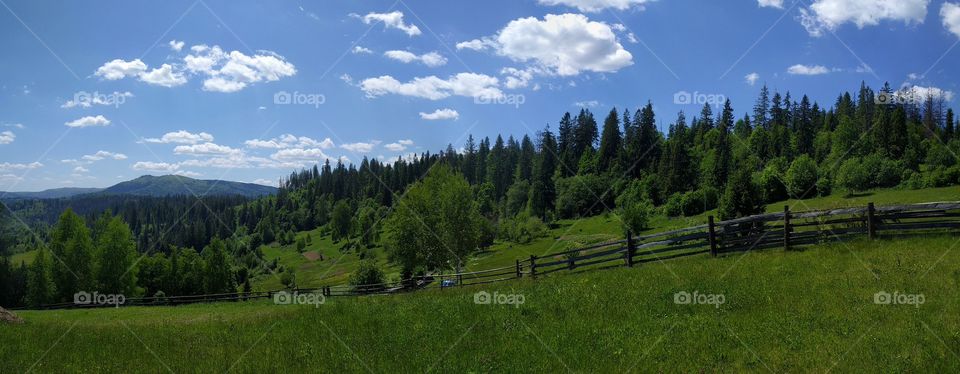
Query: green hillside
[166,185]
[798,311]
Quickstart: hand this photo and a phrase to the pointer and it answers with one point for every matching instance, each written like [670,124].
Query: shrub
[673,207]
[883,172]
[801,178]
[367,274]
[693,203]
[852,176]
[522,229]
[636,216]
[740,197]
[771,180]
[577,196]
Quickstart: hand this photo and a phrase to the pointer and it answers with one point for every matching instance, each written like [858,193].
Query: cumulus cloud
[222,71]
[11,166]
[432,59]
[921,93]
[771,3]
[205,149]
[800,69]
[824,15]
[176,45]
[7,137]
[596,5]
[564,44]
[390,20]
[289,141]
[752,78]
[440,114]
[162,167]
[587,104]
[100,155]
[399,146]
[80,169]
[89,121]
[433,88]
[181,137]
[304,154]
[360,147]
[361,50]
[119,69]
[266,182]
[950,14]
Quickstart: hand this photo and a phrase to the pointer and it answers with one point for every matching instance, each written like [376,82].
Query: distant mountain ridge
[157,186]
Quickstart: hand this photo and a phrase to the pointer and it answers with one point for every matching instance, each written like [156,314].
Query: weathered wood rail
[787,230]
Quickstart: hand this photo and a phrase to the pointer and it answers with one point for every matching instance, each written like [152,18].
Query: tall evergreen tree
[610,142]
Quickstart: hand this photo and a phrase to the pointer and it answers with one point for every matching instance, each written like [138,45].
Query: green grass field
[806,310]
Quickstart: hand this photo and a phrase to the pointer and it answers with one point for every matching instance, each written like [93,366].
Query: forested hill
[53,193]
[169,185]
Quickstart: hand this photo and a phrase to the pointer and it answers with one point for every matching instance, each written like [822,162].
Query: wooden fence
[787,230]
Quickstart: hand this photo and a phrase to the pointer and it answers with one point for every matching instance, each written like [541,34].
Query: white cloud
[433,88]
[8,166]
[16,125]
[187,173]
[771,3]
[432,59]
[224,72]
[7,137]
[360,147]
[399,146]
[596,5]
[86,99]
[920,93]
[391,20]
[289,141]
[800,69]
[301,154]
[100,155]
[587,104]
[752,78]
[119,69]
[517,78]
[565,44]
[361,50]
[950,14]
[265,182]
[440,114]
[175,45]
[80,169]
[89,121]
[155,166]
[205,149]
[163,76]
[181,137]
[825,15]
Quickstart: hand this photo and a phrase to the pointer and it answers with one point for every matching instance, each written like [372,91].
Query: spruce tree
[609,142]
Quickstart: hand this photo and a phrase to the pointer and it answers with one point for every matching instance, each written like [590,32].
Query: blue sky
[96,93]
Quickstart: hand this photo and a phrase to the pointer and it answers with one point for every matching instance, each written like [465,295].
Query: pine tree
[609,142]
[40,286]
[525,160]
[762,108]
[948,129]
[542,192]
[72,246]
[117,253]
[565,140]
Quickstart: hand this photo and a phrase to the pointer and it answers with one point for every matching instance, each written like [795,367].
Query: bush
[673,207]
[853,176]
[693,203]
[801,178]
[771,180]
[636,216]
[301,245]
[367,274]
[740,198]
[522,229]
[883,172]
[824,185]
[577,196]
[517,196]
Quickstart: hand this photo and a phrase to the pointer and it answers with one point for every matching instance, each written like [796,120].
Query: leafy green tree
[369,275]
[435,225]
[340,220]
[72,247]
[741,197]
[635,210]
[802,177]
[40,286]
[853,176]
[517,197]
[218,275]
[117,252]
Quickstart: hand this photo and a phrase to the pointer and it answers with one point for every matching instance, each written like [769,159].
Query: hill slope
[166,185]
[53,193]
[798,311]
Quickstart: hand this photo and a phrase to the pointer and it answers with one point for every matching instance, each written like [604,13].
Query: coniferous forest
[628,161]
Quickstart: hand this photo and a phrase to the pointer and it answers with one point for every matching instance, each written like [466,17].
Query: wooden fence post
[712,238]
[786,227]
[533,266]
[871,225]
[519,273]
[459,279]
[630,248]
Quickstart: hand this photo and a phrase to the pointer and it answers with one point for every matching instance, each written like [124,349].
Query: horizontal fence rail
[787,230]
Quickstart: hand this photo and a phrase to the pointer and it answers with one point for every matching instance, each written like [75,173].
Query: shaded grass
[810,310]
